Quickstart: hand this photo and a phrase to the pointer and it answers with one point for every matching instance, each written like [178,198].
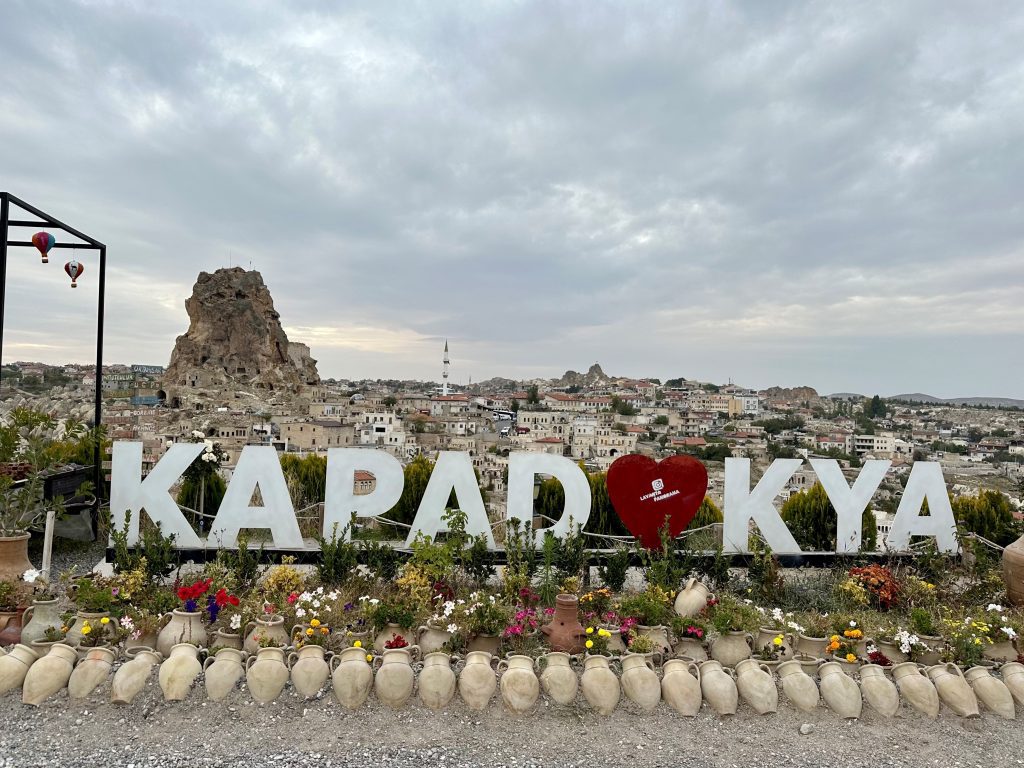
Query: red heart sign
[644,494]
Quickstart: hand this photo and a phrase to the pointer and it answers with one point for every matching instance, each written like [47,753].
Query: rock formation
[235,343]
[594,377]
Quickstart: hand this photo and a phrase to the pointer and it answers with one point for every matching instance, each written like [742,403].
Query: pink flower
[549,611]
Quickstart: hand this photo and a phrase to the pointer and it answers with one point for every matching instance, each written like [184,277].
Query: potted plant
[94,599]
[597,641]
[734,622]
[43,612]
[103,633]
[691,634]
[520,635]
[13,596]
[185,624]
[652,610]
[1001,634]
[391,616]
[20,508]
[924,625]
[484,617]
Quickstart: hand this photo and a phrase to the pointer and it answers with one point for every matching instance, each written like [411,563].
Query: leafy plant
[93,595]
[380,558]
[652,607]
[339,557]
[243,562]
[614,569]
[729,614]
[154,553]
[923,622]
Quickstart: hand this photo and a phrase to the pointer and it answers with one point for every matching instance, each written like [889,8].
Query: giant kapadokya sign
[644,493]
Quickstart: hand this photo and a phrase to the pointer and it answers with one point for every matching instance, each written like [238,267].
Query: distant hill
[845,396]
[991,401]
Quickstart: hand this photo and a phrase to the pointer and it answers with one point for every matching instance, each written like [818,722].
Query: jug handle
[26,617]
[956,669]
[414,651]
[766,668]
[730,671]
[248,662]
[689,583]
[712,596]
[249,627]
[165,620]
[209,660]
[694,667]
[419,632]
[288,660]
[749,638]
[374,665]
[331,664]
[499,669]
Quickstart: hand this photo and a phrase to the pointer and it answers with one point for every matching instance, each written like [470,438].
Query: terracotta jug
[90,672]
[953,689]
[310,668]
[600,686]
[477,680]
[40,616]
[436,681]
[181,627]
[639,681]
[48,675]
[10,626]
[351,677]
[266,674]
[992,693]
[680,686]
[14,666]
[732,648]
[659,638]
[756,685]
[519,685]
[798,686]
[74,633]
[131,678]
[222,673]
[766,636]
[558,678]
[272,627]
[916,689]
[839,691]
[14,556]
[719,688]
[1013,571]
[387,634]
[179,671]
[692,598]
[221,639]
[395,679]
[811,646]
[690,648]
[879,691]
[564,631]
[432,638]
[1012,674]
[484,644]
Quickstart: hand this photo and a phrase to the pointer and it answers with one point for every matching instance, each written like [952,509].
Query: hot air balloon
[74,270]
[44,242]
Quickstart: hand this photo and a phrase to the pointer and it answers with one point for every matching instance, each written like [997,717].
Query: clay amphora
[933,655]
[639,681]
[1001,652]
[879,691]
[811,646]
[798,686]
[271,627]
[48,675]
[690,648]
[892,652]
[74,634]
[14,666]
[519,685]
[916,689]
[181,627]
[564,631]
[477,680]
[680,686]
[432,639]
[692,598]
[953,689]
[809,664]
[90,672]
[223,670]
[660,641]
[600,686]
[179,671]
[131,677]
[394,680]
[145,640]
[221,639]
[559,678]
[718,686]
[436,681]
[484,644]
[310,670]
[1013,571]
[766,636]
[991,692]
[1012,674]
[40,616]
[10,626]
[732,648]
[14,556]
[839,690]
[266,673]
[756,684]
[386,635]
[351,677]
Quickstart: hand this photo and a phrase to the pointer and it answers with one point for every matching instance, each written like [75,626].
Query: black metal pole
[5,214]
[98,412]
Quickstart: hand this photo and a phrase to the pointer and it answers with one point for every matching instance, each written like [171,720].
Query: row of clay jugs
[718,688]
[839,690]
[395,679]
[270,627]
[38,617]
[953,689]
[519,685]
[600,686]
[477,680]
[756,685]
[48,675]
[1013,679]
[639,680]
[91,672]
[558,678]
[730,648]
[916,689]
[992,693]
[222,671]
[879,691]
[798,686]
[692,598]
[436,681]
[266,673]
[310,669]
[131,678]
[680,686]
[15,665]
[352,677]
[179,671]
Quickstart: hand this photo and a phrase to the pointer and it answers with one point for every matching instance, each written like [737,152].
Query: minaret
[444,375]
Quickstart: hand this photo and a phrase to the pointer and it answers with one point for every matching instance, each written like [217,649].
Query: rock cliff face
[593,377]
[235,342]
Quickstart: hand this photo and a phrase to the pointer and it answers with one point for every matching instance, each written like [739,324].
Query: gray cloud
[825,194]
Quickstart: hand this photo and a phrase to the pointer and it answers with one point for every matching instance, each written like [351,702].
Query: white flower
[853,623]
[332,595]
[374,601]
[126,623]
[796,627]
[31,575]
[777,614]
[994,607]
[300,612]
[316,603]
[1009,632]
[197,434]
[453,628]
[236,621]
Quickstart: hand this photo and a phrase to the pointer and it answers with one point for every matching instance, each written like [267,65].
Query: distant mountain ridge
[923,398]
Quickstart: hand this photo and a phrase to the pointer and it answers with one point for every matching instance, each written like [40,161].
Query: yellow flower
[314,623]
[357,644]
[590,630]
[590,643]
[851,657]
[834,638]
[309,632]
[603,633]
[86,629]
[105,620]
[777,640]
[64,629]
[324,630]
[369,657]
[977,641]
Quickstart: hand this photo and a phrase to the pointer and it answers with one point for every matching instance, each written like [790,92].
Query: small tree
[812,519]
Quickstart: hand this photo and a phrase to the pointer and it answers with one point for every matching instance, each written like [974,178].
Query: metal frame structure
[46,221]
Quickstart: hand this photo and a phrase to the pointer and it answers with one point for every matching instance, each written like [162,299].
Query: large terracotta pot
[266,673]
[181,627]
[839,691]
[477,680]
[14,665]
[48,675]
[91,672]
[10,626]
[991,692]
[756,685]
[692,598]
[14,556]
[272,627]
[40,616]
[352,677]
[310,670]
[916,688]
[879,691]
[731,648]
[680,686]
[954,690]
[564,631]
[519,685]
[436,681]
[639,680]
[719,688]
[1013,571]
[558,678]
[798,686]
[131,678]
[223,671]
[600,686]
[179,671]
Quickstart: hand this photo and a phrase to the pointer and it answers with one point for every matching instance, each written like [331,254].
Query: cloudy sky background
[820,194]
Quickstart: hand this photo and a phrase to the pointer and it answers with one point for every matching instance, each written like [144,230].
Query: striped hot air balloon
[74,270]
[44,242]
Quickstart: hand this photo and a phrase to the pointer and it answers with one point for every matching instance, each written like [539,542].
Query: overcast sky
[821,194]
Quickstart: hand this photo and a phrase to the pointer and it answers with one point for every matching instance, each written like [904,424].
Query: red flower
[232,600]
[221,598]
[184,593]
[293,597]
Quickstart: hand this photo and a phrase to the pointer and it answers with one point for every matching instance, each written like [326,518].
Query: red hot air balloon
[74,270]
[44,242]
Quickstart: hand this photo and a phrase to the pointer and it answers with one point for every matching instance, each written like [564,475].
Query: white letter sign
[925,482]
[453,471]
[743,505]
[341,500]
[848,502]
[522,467]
